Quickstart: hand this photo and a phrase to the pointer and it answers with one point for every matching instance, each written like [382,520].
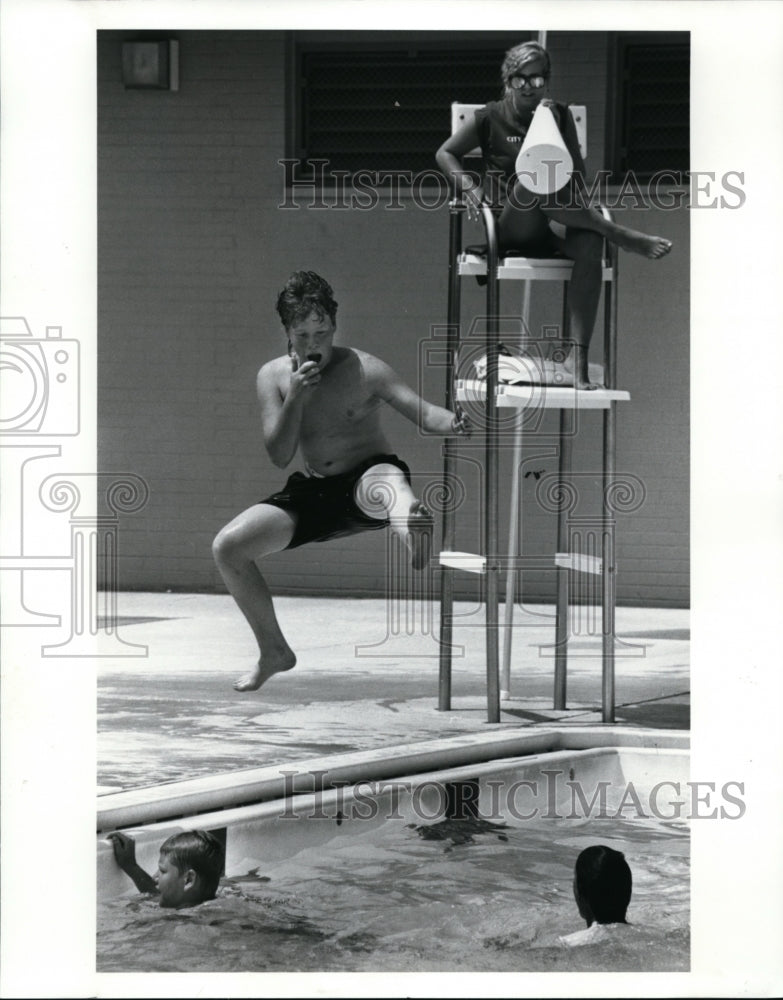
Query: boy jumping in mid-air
[324,401]
[189,867]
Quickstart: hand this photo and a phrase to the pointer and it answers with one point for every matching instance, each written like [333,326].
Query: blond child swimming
[189,867]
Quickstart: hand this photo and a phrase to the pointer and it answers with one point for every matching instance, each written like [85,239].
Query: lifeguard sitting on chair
[524,218]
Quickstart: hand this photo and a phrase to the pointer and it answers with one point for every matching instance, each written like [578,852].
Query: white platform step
[579,562]
[468,561]
[540,396]
[472,562]
[524,268]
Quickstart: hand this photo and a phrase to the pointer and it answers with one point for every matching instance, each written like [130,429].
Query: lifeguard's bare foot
[576,368]
[421,525]
[647,246]
[264,670]
[585,383]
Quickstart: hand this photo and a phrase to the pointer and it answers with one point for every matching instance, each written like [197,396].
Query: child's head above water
[602,885]
[189,868]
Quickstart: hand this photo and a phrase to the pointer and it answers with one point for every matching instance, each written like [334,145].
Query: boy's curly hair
[305,292]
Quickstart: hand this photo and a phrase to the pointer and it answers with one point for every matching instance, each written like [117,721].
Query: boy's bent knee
[221,545]
[257,532]
[381,489]
[228,546]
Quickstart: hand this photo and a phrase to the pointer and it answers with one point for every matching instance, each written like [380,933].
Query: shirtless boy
[325,402]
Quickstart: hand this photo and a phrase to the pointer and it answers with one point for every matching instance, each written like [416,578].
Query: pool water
[470,895]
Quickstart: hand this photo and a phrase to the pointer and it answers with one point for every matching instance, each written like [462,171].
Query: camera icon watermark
[39,381]
[39,400]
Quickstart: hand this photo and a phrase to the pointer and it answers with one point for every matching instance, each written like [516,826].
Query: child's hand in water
[124,849]
[125,854]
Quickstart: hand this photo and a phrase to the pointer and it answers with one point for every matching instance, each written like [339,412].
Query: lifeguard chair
[495,395]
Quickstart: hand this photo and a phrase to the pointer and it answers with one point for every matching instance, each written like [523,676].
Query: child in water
[189,867]
[602,890]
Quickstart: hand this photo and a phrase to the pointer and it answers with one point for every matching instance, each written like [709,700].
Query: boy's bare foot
[420,529]
[264,670]
[647,246]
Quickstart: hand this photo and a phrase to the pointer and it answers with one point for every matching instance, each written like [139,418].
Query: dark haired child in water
[602,890]
[523,219]
[325,402]
[189,867]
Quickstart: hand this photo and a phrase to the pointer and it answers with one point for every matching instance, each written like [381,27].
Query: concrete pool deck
[366,677]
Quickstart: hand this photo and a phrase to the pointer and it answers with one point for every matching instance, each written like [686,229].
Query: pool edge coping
[156,803]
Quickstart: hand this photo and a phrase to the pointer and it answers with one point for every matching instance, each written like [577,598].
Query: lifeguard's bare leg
[627,239]
[585,248]
[525,223]
[569,208]
[525,215]
[383,492]
[256,532]
[528,227]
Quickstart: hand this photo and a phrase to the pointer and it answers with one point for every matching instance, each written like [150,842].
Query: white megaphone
[544,164]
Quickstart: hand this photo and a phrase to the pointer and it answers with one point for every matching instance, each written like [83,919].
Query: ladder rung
[579,562]
[468,561]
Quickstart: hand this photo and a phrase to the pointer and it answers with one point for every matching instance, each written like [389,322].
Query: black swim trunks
[325,507]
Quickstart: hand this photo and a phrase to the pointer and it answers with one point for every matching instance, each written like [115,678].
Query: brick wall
[192,251]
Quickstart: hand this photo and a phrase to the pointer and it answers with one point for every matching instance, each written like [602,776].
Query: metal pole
[608,596]
[514,527]
[449,459]
[608,574]
[491,511]
[563,545]
[563,574]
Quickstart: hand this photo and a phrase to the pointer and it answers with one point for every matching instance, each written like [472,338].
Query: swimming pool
[464,867]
